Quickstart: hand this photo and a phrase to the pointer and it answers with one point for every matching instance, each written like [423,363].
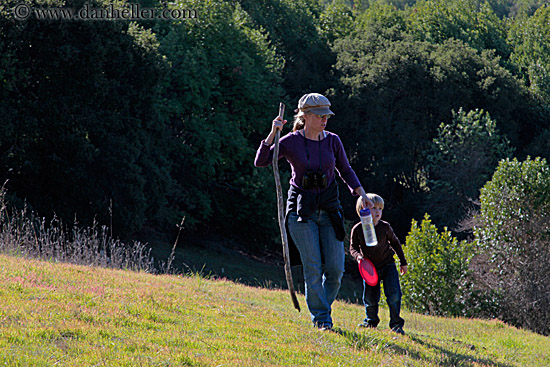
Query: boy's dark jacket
[381,254]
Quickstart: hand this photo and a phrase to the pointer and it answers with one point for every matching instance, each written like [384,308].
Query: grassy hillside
[69,315]
[221,258]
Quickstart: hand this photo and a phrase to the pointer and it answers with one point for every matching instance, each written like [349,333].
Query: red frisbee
[368,272]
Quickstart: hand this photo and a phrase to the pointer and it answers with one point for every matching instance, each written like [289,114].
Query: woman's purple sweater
[293,147]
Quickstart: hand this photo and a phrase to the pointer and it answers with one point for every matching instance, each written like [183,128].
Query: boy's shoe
[366,325]
[398,330]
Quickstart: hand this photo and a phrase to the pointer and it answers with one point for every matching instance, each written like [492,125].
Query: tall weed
[24,233]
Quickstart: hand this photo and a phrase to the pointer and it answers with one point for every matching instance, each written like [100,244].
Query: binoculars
[314,179]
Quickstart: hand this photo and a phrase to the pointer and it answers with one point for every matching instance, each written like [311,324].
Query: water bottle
[368,227]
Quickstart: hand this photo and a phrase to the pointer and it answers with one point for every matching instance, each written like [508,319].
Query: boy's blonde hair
[376,200]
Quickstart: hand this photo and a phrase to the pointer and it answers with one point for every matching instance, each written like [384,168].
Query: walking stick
[280,207]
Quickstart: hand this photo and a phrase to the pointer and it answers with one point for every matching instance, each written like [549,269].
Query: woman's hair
[376,200]
[299,121]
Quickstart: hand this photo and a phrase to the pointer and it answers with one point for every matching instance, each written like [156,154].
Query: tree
[397,92]
[530,39]
[381,19]
[459,162]
[540,146]
[513,232]
[471,21]
[293,29]
[221,93]
[80,132]
[336,21]
[526,7]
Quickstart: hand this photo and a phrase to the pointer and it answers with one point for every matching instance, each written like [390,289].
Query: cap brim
[322,110]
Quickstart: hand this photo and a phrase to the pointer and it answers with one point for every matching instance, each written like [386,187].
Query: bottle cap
[364,212]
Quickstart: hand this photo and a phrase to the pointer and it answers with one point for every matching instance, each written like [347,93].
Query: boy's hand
[403,269]
[359,258]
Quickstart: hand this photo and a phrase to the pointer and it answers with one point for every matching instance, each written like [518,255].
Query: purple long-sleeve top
[294,147]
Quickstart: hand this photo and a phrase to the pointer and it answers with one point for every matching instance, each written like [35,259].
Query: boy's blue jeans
[317,243]
[392,289]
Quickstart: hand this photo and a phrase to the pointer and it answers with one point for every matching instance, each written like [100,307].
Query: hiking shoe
[366,325]
[398,330]
[325,328]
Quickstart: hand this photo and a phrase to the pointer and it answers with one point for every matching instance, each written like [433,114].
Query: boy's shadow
[381,340]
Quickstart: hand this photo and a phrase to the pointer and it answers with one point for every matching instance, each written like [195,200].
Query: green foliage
[79,127]
[215,103]
[381,19]
[502,8]
[365,4]
[336,21]
[472,21]
[530,39]
[397,92]
[524,8]
[294,29]
[459,162]
[436,281]
[540,145]
[517,192]
[514,232]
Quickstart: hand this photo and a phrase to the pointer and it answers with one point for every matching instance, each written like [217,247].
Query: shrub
[437,280]
[513,230]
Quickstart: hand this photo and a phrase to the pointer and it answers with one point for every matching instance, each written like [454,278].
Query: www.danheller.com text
[110,12]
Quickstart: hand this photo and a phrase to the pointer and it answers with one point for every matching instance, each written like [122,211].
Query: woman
[314,215]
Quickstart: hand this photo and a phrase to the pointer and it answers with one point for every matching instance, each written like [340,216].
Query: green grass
[214,260]
[70,315]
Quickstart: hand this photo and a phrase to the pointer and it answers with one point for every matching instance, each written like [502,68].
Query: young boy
[381,256]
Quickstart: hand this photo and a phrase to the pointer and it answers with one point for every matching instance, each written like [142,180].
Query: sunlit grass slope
[68,315]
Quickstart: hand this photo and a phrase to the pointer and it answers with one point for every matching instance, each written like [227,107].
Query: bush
[437,281]
[513,231]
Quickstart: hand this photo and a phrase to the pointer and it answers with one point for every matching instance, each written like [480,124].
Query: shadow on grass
[224,260]
[383,341]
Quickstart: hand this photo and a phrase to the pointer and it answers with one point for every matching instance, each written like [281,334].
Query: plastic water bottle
[368,227]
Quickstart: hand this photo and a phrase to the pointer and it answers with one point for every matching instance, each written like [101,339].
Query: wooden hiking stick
[280,208]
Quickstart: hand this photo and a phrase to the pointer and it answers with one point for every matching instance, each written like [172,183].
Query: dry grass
[23,233]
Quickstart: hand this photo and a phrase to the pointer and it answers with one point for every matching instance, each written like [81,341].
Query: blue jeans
[392,289]
[317,243]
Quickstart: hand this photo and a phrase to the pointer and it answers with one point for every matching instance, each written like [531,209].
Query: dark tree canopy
[397,92]
[151,121]
[80,132]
